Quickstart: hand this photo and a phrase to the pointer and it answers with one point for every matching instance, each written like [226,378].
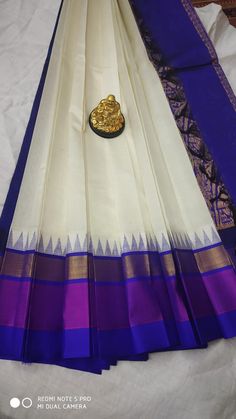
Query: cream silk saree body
[112,251]
[140,184]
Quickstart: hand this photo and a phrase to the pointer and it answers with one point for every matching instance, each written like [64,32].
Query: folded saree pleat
[112,252]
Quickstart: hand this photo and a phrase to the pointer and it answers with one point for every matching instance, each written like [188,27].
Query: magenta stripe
[71,307]
[14,297]
[140,302]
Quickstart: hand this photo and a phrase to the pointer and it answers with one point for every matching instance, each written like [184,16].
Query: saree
[108,248]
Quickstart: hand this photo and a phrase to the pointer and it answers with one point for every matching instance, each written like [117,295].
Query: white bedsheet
[173,385]
[223,36]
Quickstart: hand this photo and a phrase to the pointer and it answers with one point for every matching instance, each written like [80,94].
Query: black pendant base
[106,134]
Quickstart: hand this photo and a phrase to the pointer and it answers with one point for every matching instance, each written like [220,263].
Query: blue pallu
[176,31]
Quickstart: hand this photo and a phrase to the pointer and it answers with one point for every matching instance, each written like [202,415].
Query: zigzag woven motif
[99,247]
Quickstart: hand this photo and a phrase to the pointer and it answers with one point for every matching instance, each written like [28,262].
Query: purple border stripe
[85,304]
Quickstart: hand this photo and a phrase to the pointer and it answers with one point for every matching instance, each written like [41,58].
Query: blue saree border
[180,37]
[13,192]
[114,345]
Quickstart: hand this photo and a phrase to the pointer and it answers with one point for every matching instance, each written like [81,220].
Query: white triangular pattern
[115,251]
[33,242]
[90,247]
[151,245]
[27,242]
[126,246]
[165,244]
[108,249]
[141,246]
[85,243]
[40,247]
[49,248]
[207,241]
[111,247]
[99,251]
[134,246]
[58,248]
[68,246]
[10,240]
[157,243]
[19,244]
[77,245]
